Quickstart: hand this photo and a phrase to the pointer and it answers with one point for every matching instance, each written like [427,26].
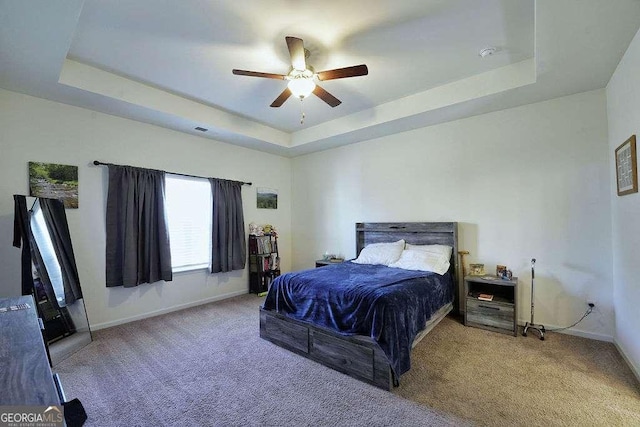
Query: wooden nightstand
[498,315]
[323,262]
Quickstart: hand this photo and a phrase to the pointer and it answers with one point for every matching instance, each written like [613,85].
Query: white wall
[623,93]
[527,182]
[532,181]
[33,129]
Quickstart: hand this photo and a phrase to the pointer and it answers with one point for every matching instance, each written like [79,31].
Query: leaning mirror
[56,286]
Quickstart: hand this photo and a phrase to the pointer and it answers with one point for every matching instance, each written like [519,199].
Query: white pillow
[380,253]
[411,259]
[443,250]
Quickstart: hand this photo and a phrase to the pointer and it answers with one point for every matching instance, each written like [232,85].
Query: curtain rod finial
[95,162]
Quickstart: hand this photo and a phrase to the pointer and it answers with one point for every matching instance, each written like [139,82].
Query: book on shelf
[485,297]
[264,244]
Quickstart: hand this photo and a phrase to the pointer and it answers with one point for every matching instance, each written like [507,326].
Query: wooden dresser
[25,374]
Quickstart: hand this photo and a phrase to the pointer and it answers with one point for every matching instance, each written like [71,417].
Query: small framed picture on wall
[626,167]
[267,198]
[54,181]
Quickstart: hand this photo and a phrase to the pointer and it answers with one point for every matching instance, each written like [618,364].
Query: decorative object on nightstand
[490,303]
[531,325]
[476,269]
[503,272]
[264,262]
[323,262]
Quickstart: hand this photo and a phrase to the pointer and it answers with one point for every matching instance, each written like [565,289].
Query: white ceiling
[169,63]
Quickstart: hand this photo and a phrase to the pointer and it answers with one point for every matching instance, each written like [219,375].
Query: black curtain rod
[97,163]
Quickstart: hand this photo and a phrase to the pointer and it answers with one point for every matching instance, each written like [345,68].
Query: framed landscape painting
[55,182]
[267,198]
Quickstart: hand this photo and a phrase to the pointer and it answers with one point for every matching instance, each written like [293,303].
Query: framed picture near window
[267,198]
[54,181]
[626,167]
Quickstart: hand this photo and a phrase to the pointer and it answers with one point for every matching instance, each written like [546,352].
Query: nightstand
[500,314]
[323,262]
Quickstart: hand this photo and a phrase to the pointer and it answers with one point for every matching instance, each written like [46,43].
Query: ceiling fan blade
[296,51]
[258,74]
[280,99]
[341,73]
[326,96]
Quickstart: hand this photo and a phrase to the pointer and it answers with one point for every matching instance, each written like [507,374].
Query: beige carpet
[207,366]
[501,380]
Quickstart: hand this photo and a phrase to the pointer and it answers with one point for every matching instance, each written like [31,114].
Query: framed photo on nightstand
[476,269]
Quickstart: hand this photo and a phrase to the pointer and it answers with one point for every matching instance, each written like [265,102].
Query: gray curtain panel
[228,240]
[55,218]
[138,248]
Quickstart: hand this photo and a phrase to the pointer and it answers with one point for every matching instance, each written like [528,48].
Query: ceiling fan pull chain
[301,112]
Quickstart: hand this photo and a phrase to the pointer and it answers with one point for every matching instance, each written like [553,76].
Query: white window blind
[188,206]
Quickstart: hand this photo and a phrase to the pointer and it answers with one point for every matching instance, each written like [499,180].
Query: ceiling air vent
[201,129]
[487,51]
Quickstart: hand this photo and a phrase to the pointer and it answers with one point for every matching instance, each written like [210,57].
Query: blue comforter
[390,305]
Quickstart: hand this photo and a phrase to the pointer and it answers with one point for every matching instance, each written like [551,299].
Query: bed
[380,354]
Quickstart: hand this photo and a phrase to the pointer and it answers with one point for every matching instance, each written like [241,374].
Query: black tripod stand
[530,325]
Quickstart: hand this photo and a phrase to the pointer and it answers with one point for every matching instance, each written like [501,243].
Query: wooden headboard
[416,233]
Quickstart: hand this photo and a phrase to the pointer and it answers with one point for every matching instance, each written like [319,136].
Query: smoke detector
[487,51]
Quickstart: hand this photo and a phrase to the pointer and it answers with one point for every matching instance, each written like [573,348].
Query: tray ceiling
[169,63]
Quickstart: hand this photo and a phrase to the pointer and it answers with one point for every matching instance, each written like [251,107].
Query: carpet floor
[500,380]
[207,366]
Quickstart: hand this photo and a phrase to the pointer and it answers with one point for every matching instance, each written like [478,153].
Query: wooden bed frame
[360,356]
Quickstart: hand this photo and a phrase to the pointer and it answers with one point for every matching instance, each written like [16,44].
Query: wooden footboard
[357,356]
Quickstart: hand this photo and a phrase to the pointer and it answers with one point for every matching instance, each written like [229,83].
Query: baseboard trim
[154,313]
[584,334]
[635,369]
[577,333]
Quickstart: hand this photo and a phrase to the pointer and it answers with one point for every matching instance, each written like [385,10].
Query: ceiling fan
[302,78]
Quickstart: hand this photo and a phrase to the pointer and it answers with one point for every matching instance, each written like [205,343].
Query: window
[188,206]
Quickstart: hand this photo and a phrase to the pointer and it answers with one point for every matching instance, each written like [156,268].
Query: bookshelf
[264,262]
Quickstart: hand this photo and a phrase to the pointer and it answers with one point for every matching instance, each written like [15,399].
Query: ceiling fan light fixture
[302,77]
[301,87]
